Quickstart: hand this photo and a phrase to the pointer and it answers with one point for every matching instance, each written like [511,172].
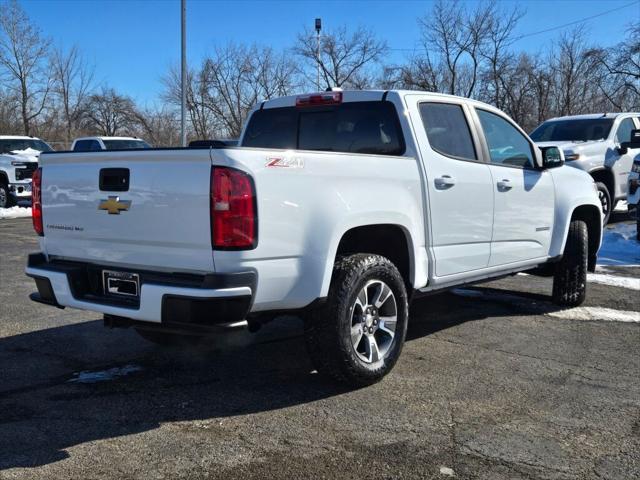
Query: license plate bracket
[121,284]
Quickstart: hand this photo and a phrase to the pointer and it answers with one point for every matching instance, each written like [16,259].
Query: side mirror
[634,142]
[552,157]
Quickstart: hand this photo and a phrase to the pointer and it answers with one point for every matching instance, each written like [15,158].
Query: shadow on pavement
[46,408]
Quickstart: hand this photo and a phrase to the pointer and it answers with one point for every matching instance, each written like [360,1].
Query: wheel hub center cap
[368,320]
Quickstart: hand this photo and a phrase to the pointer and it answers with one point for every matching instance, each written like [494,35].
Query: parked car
[593,143]
[18,160]
[633,198]
[340,207]
[94,144]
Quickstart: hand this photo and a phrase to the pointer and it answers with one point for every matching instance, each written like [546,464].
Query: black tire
[570,279]
[6,199]
[605,201]
[328,330]
[168,339]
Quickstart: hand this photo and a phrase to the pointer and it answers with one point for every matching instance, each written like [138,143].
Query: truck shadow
[78,383]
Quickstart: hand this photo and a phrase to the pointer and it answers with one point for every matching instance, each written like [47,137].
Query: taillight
[233,210]
[36,201]
[327,98]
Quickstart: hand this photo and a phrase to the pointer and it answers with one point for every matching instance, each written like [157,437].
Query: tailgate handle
[114,179]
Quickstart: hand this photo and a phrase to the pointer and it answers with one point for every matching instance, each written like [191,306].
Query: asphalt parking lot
[494,383]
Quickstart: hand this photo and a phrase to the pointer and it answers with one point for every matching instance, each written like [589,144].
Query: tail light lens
[36,201]
[233,210]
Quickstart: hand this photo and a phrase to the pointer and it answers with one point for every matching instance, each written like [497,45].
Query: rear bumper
[203,300]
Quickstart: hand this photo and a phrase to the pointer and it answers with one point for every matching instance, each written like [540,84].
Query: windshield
[573,130]
[10,145]
[124,144]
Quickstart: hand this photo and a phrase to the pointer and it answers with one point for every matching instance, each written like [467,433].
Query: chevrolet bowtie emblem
[113,205]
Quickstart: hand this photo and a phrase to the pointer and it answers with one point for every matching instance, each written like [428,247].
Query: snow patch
[447,471]
[621,206]
[15,212]
[619,245]
[27,152]
[614,280]
[597,313]
[87,376]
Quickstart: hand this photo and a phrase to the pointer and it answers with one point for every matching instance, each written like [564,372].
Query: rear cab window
[352,127]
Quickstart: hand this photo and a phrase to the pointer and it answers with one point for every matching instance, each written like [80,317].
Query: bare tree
[203,124]
[109,113]
[620,70]
[72,85]
[495,51]
[23,59]
[345,58]
[9,121]
[574,73]
[452,38]
[159,127]
[236,77]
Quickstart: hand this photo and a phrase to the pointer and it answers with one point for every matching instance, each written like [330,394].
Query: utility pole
[318,28]
[183,73]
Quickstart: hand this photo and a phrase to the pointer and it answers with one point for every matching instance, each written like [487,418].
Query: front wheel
[570,278]
[357,336]
[6,200]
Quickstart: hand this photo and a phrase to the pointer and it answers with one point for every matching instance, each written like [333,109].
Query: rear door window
[356,127]
[447,130]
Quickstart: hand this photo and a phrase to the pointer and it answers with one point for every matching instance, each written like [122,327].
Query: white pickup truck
[18,160]
[339,206]
[598,144]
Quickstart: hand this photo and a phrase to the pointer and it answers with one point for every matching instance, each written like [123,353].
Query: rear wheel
[570,279]
[6,200]
[605,200]
[357,336]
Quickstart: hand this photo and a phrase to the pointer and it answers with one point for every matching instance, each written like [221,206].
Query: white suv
[95,144]
[593,143]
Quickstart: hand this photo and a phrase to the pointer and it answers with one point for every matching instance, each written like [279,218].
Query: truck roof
[363,96]
[95,137]
[592,116]
[17,137]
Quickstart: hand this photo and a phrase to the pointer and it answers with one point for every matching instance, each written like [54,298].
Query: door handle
[505,184]
[445,181]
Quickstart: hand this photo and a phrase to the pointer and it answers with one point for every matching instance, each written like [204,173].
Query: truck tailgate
[161,222]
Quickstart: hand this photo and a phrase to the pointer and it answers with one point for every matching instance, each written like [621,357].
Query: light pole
[318,28]
[183,73]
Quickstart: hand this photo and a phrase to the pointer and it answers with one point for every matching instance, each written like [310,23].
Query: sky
[133,43]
